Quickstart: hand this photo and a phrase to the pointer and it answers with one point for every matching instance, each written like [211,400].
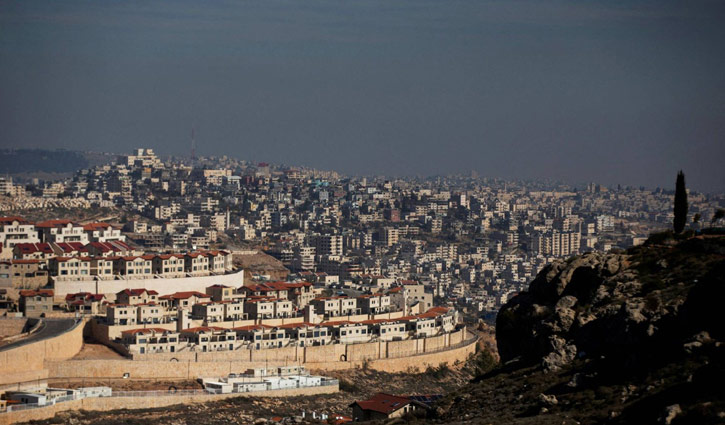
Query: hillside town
[460,241]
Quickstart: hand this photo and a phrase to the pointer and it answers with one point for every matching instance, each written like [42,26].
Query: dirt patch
[262,264]
[94,351]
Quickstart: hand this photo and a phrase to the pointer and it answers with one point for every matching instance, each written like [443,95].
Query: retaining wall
[10,326]
[331,357]
[26,362]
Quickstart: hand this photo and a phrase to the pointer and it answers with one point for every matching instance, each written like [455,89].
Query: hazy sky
[610,91]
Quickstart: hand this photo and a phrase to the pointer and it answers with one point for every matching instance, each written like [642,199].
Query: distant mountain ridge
[24,161]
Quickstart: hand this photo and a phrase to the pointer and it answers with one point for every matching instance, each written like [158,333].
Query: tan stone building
[151,340]
[136,296]
[36,303]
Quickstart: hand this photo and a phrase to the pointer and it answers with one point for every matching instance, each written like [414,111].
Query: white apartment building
[13,231]
[61,231]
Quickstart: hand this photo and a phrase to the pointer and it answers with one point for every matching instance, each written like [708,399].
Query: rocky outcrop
[618,306]
[632,337]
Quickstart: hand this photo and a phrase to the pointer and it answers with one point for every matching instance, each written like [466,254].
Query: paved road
[48,329]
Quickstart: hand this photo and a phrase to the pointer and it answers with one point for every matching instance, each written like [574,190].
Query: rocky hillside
[629,337]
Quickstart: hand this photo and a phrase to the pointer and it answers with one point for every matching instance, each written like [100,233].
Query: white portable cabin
[218,387]
[248,387]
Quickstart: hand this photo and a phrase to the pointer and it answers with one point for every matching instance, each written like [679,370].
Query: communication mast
[193,147]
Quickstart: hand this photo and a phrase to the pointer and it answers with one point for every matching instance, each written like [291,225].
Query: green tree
[680,203]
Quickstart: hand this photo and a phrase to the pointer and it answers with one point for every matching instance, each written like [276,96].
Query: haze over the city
[613,92]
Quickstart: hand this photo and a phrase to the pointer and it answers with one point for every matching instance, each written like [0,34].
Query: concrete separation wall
[163,285]
[146,402]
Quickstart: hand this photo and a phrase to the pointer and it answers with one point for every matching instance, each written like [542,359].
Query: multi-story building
[137,296]
[263,336]
[121,314]
[61,231]
[151,340]
[347,332]
[374,303]
[13,231]
[183,300]
[103,232]
[267,308]
[70,267]
[210,338]
[36,303]
[307,334]
[86,303]
[390,236]
[326,244]
[134,267]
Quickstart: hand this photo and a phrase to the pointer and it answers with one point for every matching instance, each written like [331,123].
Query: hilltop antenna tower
[193,147]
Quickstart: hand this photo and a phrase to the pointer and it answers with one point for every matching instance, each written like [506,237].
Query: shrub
[349,387]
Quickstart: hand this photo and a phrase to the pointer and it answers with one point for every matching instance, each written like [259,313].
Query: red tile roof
[145,331]
[96,226]
[383,403]
[40,292]
[32,248]
[138,291]
[25,261]
[53,223]
[252,328]
[184,295]
[10,219]
[203,329]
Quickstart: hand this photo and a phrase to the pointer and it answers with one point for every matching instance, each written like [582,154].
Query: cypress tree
[680,203]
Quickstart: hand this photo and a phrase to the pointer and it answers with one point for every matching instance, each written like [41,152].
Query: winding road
[49,328]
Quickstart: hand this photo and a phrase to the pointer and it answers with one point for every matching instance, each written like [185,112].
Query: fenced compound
[160,393]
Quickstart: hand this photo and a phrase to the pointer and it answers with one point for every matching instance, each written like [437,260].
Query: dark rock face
[618,338]
[597,306]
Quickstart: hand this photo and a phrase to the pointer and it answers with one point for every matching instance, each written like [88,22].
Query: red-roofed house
[86,303]
[136,296]
[61,231]
[196,264]
[262,336]
[36,303]
[169,265]
[210,338]
[267,308]
[348,332]
[374,303]
[220,262]
[33,251]
[13,231]
[387,329]
[103,232]
[383,406]
[110,249]
[335,306]
[134,267]
[220,292]
[151,340]
[70,268]
[218,311]
[307,334]
[184,299]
